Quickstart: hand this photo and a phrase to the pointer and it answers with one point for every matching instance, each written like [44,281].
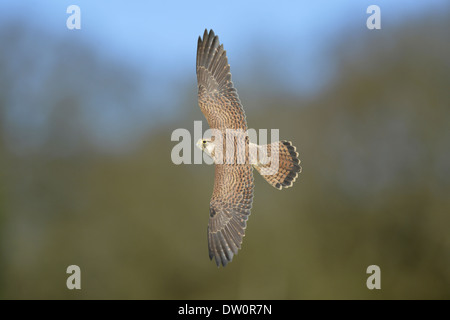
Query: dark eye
[204,141]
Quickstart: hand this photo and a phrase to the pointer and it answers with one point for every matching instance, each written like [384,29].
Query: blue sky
[160,37]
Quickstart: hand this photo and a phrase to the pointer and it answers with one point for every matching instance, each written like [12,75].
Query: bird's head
[206,145]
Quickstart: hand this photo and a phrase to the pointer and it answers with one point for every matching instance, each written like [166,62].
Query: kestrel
[232,196]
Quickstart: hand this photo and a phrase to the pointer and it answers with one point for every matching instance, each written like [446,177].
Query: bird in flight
[232,196]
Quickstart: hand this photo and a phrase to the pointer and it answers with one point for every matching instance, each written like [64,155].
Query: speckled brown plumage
[233,183]
[285,174]
[232,196]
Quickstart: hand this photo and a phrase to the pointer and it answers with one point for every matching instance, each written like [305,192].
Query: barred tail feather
[285,174]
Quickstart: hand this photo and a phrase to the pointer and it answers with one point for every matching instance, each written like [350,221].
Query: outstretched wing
[232,197]
[229,210]
[217,97]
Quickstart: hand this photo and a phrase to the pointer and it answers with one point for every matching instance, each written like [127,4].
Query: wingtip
[208,34]
[219,262]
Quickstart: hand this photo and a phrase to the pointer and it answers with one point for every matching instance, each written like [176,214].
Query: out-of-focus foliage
[374,190]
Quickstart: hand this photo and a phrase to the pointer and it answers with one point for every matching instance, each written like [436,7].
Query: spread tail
[284,173]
